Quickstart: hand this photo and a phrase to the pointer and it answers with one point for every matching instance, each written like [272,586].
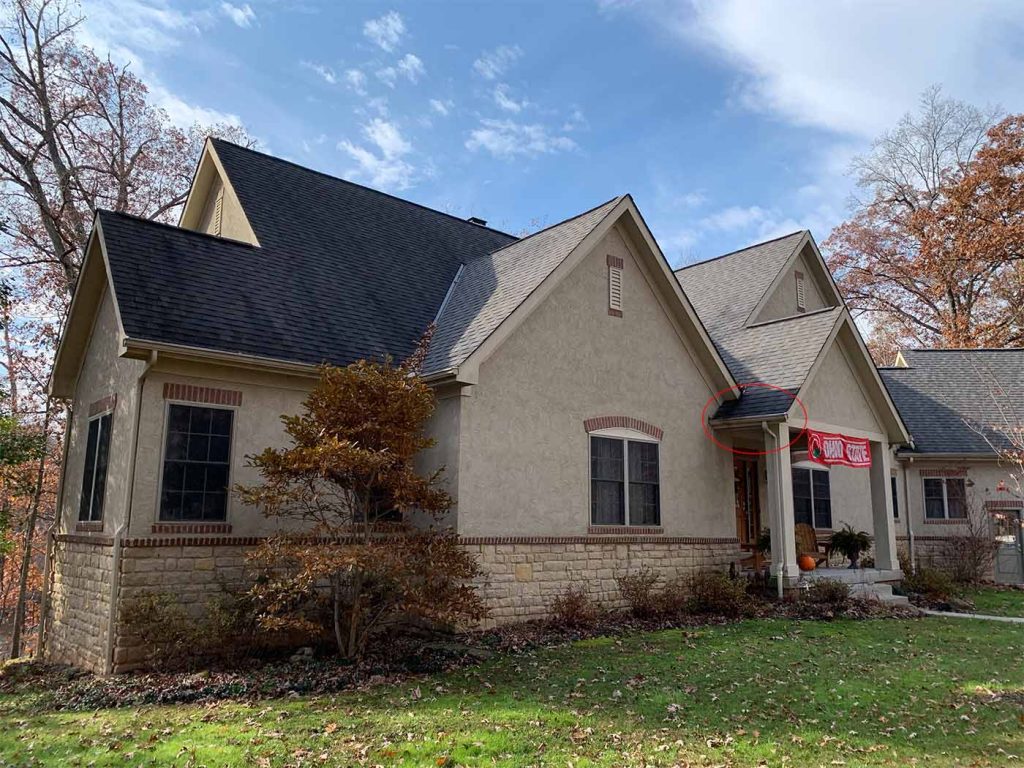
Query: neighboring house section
[958,405]
[590,402]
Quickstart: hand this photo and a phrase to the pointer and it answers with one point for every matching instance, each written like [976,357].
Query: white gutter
[115,578]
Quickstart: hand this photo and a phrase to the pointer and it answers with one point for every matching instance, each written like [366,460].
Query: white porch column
[881,507]
[780,497]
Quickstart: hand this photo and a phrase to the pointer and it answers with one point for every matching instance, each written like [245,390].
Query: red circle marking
[741,451]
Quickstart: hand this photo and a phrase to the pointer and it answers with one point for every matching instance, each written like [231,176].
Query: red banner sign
[826,448]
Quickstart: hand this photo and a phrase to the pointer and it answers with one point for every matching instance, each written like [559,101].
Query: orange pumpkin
[806,563]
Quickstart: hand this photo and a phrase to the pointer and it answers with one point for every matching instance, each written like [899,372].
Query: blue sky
[729,121]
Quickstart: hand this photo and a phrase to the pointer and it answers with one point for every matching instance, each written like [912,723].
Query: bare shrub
[930,583]
[829,593]
[574,608]
[638,589]
[713,592]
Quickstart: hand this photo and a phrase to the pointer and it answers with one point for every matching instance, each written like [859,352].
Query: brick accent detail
[180,528]
[614,312]
[945,521]
[101,406]
[615,261]
[622,422]
[950,472]
[1005,504]
[89,525]
[625,530]
[193,394]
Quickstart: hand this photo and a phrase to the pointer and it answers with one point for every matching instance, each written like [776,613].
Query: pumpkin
[806,563]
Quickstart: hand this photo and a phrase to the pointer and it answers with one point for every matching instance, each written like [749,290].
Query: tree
[369,554]
[933,256]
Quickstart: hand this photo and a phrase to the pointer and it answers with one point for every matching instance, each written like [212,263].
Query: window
[895,499]
[624,482]
[94,477]
[812,497]
[945,498]
[801,299]
[196,461]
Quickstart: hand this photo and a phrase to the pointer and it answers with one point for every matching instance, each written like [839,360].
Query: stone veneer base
[521,576]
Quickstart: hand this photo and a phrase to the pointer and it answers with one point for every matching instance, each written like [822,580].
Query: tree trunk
[26,555]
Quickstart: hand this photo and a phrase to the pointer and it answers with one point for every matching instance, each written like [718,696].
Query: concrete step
[881,592]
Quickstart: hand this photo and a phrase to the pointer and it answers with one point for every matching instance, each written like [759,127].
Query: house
[960,406]
[596,411]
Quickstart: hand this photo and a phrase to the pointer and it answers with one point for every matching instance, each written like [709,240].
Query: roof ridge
[326,175]
[496,251]
[739,250]
[173,227]
[962,349]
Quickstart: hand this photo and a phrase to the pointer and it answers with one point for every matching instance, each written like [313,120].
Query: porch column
[780,498]
[881,507]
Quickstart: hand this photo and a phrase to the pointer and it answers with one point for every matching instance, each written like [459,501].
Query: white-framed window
[94,476]
[812,496]
[625,480]
[945,498]
[196,466]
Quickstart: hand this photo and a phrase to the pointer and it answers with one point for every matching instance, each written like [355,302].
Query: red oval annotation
[740,388]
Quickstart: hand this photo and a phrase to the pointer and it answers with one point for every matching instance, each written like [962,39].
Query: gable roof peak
[799,232]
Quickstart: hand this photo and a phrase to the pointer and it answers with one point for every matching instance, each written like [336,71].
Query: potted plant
[850,543]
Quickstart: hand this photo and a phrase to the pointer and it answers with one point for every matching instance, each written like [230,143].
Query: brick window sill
[945,521]
[89,526]
[625,530]
[192,528]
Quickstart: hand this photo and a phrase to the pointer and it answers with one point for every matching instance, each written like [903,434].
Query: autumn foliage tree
[933,256]
[367,551]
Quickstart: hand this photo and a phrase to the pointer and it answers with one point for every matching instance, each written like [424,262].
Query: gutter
[227,358]
[115,578]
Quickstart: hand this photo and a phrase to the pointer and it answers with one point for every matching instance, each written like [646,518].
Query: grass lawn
[881,692]
[997,602]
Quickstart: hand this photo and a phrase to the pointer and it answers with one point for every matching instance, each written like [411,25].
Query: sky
[730,122]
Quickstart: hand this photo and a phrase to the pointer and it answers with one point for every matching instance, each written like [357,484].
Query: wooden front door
[748,507]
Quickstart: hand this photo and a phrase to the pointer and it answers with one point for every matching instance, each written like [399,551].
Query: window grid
[945,499]
[94,475]
[196,467]
[624,482]
[812,497]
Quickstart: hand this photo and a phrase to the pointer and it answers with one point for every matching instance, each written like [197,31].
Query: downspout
[910,528]
[51,534]
[115,578]
[778,506]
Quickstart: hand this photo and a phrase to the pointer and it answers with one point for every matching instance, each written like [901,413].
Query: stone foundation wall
[523,575]
[79,603]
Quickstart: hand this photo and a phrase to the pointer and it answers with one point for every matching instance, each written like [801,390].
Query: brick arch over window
[622,422]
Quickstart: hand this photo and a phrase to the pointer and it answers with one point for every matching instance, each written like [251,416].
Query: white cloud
[734,217]
[326,73]
[356,80]
[855,68]
[183,114]
[242,15]
[384,164]
[124,28]
[387,31]
[411,66]
[443,108]
[506,102]
[493,64]
[508,139]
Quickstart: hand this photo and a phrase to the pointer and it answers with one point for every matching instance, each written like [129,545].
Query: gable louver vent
[801,303]
[218,213]
[615,267]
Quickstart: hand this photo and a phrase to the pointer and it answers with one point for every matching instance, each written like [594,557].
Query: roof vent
[477,221]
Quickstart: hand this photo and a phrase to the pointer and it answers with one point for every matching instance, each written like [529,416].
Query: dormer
[212,205]
[802,286]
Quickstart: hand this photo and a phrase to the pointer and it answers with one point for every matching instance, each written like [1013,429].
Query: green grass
[997,602]
[883,692]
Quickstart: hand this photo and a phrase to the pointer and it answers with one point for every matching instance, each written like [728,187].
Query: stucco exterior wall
[445,428]
[834,396]
[104,374]
[233,223]
[782,302]
[524,459]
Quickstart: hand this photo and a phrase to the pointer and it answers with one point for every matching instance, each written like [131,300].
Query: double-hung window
[197,458]
[812,497]
[624,482]
[94,477]
[945,498]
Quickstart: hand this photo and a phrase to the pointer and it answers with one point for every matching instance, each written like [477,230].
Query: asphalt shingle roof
[942,387]
[491,287]
[724,292]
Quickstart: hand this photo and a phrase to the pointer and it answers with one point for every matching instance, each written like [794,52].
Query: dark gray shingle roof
[724,292]
[941,388]
[491,287]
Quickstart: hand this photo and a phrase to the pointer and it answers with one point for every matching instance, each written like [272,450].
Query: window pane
[178,418]
[214,506]
[607,506]
[934,507]
[196,463]
[174,475]
[802,496]
[88,471]
[216,478]
[956,498]
[220,448]
[195,477]
[220,422]
[822,493]
[895,499]
[606,459]
[607,487]
[201,421]
[643,462]
[198,447]
[170,505]
[192,506]
[102,455]
[643,504]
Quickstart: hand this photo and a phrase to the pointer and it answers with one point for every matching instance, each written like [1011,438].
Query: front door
[1009,566]
[748,508]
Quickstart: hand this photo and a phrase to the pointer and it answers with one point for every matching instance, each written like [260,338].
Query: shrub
[713,592]
[638,590]
[969,558]
[829,593]
[573,608]
[930,583]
